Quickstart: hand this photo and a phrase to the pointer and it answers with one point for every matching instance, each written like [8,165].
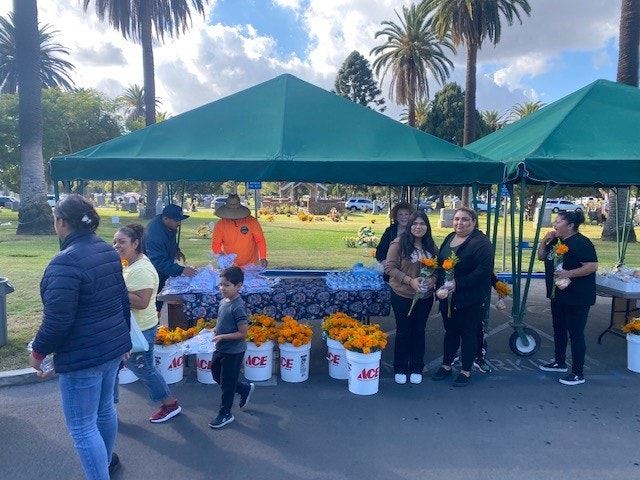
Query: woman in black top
[570,303]
[468,292]
[400,214]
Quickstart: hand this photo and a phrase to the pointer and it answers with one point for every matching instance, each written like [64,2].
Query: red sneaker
[165,413]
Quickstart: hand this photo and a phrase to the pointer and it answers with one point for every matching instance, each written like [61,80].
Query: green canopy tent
[284,129]
[590,137]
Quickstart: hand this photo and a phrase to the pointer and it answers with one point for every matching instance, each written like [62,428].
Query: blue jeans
[87,403]
[143,365]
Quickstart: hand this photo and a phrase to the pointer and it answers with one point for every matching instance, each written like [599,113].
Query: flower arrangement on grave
[633,327]
[448,265]
[363,338]
[293,332]
[262,328]
[557,255]
[333,324]
[428,266]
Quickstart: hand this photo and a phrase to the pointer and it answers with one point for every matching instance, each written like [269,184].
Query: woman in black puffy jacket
[85,326]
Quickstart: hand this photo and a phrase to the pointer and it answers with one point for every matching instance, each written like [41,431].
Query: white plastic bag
[138,342]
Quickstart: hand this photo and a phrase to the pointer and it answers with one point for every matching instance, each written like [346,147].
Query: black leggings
[570,321]
[461,330]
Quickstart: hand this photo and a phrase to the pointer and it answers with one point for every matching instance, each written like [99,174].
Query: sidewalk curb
[22,376]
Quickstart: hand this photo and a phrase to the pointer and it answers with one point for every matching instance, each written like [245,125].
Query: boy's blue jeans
[87,403]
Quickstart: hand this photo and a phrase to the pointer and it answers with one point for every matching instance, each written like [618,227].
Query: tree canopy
[355,82]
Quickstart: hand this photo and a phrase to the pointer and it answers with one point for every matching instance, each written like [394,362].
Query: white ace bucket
[364,372]
[126,376]
[258,361]
[203,361]
[169,361]
[294,362]
[337,358]
[633,352]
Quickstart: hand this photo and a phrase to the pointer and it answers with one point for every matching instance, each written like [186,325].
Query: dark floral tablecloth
[302,298]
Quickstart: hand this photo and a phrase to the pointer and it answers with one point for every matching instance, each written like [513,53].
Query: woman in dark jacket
[85,325]
[467,292]
[399,214]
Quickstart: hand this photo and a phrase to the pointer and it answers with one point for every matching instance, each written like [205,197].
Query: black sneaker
[553,367]
[244,398]
[221,420]
[482,366]
[114,463]
[441,374]
[462,380]
[572,379]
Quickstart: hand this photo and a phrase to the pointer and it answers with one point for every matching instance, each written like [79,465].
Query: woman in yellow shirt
[141,280]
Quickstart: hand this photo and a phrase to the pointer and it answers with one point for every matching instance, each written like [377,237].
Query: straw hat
[233,209]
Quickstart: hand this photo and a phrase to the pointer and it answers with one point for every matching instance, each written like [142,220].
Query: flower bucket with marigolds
[258,358]
[632,329]
[503,290]
[332,326]
[294,339]
[557,254]
[428,266]
[172,344]
[364,345]
[448,265]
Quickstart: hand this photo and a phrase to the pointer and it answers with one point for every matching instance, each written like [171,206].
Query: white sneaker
[415,378]
[400,378]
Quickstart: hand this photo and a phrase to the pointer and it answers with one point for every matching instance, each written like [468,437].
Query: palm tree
[34,216]
[628,60]
[54,71]
[493,119]
[471,22]
[422,110]
[141,20]
[521,110]
[133,100]
[411,52]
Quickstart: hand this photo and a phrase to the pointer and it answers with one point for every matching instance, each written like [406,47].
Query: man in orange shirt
[239,233]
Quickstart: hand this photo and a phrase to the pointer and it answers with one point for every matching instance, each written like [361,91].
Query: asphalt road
[516,423]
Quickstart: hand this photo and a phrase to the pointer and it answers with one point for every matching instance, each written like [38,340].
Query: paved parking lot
[514,423]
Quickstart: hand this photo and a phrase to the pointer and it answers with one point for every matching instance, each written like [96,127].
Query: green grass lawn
[292,244]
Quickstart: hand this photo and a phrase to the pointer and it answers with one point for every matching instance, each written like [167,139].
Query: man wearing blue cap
[162,247]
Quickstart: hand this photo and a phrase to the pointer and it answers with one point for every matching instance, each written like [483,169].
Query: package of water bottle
[47,363]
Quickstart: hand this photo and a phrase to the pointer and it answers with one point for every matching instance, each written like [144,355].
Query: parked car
[561,205]
[7,199]
[51,200]
[360,204]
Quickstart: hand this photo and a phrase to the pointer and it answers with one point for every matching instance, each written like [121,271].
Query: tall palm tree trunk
[628,62]
[469,109]
[148,68]
[34,217]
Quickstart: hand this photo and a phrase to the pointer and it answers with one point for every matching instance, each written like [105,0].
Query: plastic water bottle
[47,363]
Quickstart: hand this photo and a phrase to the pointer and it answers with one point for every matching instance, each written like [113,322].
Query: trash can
[5,287]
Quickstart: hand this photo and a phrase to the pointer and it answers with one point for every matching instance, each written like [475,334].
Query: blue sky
[562,46]
[268,19]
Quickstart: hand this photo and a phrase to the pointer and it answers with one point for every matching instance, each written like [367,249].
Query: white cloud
[211,61]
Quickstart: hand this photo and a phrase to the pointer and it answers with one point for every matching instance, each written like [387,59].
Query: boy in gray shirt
[230,341]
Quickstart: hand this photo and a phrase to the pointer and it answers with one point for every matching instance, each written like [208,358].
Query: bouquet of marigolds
[448,265]
[503,290]
[428,266]
[633,327]
[262,328]
[333,324]
[557,255]
[297,334]
[165,336]
[363,338]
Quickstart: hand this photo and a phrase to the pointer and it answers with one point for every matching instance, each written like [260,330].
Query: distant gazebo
[289,189]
